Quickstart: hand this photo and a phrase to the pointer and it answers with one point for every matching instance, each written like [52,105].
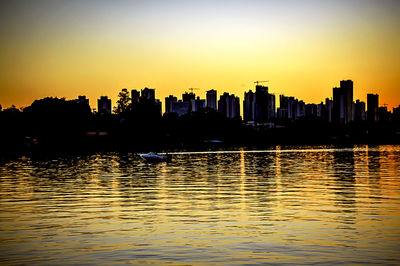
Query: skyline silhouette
[192,102]
[137,122]
[94,48]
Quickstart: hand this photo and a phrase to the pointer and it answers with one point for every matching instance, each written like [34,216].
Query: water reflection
[291,205]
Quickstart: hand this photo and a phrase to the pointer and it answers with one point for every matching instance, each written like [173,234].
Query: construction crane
[192,89]
[260,81]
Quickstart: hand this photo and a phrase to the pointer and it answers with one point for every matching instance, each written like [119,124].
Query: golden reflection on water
[291,205]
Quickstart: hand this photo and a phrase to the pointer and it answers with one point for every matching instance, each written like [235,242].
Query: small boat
[154,157]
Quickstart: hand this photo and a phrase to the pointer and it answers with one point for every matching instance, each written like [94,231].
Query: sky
[94,48]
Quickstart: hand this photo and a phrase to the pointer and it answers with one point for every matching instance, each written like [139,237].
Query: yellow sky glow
[303,50]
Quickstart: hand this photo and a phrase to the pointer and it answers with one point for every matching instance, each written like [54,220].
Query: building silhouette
[82,100]
[359,111]
[290,108]
[211,99]
[189,97]
[271,113]
[104,105]
[261,106]
[135,97]
[396,113]
[311,110]
[189,103]
[148,94]
[169,101]
[180,107]
[383,114]
[229,105]
[343,102]
[199,104]
[249,104]
[329,110]
[372,107]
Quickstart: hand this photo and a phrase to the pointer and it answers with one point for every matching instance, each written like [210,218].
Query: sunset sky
[94,48]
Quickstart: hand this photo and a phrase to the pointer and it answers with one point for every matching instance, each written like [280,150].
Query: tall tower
[347,87]
[169,102]
[229,105]
[104,105]
[343,102]
[135,96]
[261,110]
[211,98]
[249,103]
[372,107]
[149,94]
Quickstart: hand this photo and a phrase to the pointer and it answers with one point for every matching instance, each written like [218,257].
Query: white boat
[154,157]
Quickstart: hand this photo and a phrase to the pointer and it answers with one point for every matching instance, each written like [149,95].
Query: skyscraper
[372,107]
[329,108]
[199,104]
[135,96]
[104,105]
[82,100]
[347,86]
[148,94]
[229,105]
[359,110]
[291,108]
[271,113]
[211,98]
[261,107]
[168,103]
[343,102]
[189,97]
[249,103]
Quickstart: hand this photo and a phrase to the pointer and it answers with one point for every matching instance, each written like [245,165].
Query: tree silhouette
[123,103]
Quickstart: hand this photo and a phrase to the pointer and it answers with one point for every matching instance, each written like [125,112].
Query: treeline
[56,124]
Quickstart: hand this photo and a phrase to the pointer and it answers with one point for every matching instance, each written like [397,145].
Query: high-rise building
[261,107]
[383,114]
[135,96]
[329,108]
[104,105]
[229,105]
[396,113]
[189,97]
[148,94]
[300,109]
[82,100]
[347,86]
[180,107]
[311,110]
[199,104]
[372,107]
[249,105]
[158,106]
[168,103]
[321,110]
[211,98]
[290,108]
[359,110]
[271,113]
[343,102]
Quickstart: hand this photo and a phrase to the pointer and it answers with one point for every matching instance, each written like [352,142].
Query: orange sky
[304,48]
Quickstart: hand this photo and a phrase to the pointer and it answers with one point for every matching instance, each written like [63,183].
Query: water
[285,205]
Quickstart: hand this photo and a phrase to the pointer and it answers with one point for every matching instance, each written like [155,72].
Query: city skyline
[66,49]
[190,101]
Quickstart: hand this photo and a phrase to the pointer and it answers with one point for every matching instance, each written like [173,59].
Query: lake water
[284,205]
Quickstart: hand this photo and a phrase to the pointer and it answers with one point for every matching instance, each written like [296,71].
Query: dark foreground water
[284,205]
